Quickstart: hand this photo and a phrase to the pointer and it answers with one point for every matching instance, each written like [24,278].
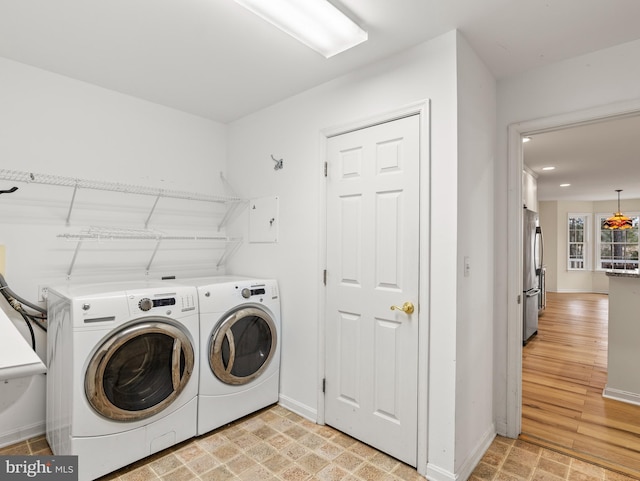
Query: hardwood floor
[563,376]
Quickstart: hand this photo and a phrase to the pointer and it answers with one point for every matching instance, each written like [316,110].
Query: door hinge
[324,385]
[324,277]
[326,168]
[519,298]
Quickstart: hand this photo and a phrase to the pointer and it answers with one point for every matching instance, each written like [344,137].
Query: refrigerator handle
[539,266]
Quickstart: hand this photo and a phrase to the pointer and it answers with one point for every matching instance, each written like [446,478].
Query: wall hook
[9,191]
[279,163]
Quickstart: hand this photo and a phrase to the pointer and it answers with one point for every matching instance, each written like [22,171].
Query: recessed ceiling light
[316,23]
[548,168]
[565,185]
[526,139]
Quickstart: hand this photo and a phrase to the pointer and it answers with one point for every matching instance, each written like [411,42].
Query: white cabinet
[529,190]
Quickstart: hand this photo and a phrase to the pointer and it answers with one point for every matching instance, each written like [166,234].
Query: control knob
[145,304]
[246,293]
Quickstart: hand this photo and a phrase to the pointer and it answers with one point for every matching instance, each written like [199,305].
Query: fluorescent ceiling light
[565,185]
[316,23]
[548,168]
[526,139]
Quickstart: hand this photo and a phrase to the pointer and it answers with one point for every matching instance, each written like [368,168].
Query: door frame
[515,164]
[421,109]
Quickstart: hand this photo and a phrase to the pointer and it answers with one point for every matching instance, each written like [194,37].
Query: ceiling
[215,59]
[596,159]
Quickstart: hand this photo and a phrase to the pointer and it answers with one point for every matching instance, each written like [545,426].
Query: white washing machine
[239,348]
[123,366]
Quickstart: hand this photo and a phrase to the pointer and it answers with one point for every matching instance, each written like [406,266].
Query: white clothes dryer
[123,366]
[239,348]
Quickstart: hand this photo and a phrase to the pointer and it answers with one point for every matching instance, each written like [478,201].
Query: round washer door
[140,370]
[243,345]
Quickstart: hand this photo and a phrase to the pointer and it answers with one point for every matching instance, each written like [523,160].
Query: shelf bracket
[155,251]
[73,260]
[227,185]
[230,248]
[231,210]
[73,199]
[232,205]
[146,223]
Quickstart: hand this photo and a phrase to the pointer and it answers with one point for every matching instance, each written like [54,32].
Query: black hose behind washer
[16,302]
[5,288]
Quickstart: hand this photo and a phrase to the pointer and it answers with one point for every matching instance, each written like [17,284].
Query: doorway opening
[516,165]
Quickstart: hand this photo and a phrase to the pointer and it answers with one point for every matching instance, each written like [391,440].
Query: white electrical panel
[263,220]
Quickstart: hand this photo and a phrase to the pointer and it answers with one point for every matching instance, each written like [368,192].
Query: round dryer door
[140,370]
[242,345]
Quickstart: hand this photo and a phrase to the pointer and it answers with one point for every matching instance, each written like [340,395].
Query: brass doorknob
[407,307]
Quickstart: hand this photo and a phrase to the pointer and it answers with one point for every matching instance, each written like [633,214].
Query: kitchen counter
[17,359]
[631,274]
[623,375]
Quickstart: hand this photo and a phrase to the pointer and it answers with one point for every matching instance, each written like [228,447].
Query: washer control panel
[146,304]
[177,303]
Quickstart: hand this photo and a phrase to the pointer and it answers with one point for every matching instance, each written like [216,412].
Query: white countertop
[631,274]
[17,359]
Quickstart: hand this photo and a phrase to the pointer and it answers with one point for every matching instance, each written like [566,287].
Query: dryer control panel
[255,291]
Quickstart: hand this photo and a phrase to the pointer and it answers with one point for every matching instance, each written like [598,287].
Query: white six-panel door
[372,264]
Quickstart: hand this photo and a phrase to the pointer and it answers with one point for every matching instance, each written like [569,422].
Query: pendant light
[618,220]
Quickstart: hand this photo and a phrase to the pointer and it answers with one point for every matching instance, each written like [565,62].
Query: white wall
[52,124]
[476,234]
[291,130]
[566,280]
[600,78]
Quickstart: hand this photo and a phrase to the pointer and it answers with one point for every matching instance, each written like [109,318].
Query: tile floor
[276,444]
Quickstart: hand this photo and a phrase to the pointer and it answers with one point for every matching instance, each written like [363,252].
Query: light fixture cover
[618,220]
[316,23]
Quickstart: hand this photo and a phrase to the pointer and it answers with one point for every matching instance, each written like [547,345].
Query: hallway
[564,374]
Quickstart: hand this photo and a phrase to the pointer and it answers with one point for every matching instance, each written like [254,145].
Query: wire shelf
[121,233]
[30,177]
[98,233]
[102,233]
[232,202]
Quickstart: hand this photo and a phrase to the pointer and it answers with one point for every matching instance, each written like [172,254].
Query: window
[577,251]
[617,249]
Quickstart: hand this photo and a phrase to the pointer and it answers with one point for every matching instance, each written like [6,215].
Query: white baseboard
[624,396]
[22,434]
[501,429]
[476,455]
[298,408]
[435,473]
[579,291]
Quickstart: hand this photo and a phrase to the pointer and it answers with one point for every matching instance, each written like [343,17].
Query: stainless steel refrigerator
[533,250]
